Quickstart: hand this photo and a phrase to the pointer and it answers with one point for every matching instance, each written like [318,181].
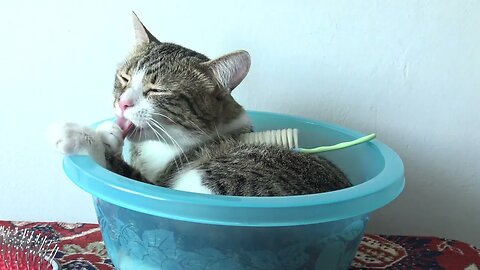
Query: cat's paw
[71,138]
[111,136]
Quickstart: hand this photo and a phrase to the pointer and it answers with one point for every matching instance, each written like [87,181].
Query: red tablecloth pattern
[82,248]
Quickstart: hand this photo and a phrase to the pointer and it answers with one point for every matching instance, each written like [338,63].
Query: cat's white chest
[153,157]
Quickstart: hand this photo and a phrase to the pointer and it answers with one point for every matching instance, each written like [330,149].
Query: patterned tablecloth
[82,248]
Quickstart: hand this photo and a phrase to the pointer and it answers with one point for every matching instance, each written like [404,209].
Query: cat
[175,107]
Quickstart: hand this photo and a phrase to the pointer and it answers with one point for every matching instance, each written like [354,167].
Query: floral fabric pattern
[82,248]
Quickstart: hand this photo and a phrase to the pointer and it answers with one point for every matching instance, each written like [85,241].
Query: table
[82,248]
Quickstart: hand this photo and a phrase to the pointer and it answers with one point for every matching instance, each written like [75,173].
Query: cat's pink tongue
[126,126]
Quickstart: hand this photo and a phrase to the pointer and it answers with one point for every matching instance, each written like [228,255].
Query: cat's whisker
[173,141]
[157,134]
[163,115]
[135,129]
[216,131]
[162,128]
[201,130]
[162,139]
[193,123]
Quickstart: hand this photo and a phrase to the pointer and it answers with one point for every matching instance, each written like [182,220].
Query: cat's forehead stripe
[135,92]
[137,80]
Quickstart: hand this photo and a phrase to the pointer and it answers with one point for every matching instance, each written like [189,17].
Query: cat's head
[166,92]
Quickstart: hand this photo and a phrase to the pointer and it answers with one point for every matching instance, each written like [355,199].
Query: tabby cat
[175,107]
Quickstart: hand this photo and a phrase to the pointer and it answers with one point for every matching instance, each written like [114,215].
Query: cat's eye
[154,90]
[123,78]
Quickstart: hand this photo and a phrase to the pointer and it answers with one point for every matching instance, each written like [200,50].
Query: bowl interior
[360,163]
[375,170]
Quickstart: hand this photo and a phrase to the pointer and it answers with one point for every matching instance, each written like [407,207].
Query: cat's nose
[125,103]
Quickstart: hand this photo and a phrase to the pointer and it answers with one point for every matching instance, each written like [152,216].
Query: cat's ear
[142,35]
[230,69]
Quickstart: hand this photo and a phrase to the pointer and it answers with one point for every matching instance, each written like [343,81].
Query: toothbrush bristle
[286,138]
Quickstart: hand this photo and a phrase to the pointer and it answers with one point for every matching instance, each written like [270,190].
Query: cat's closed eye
[152,91]
[123,78]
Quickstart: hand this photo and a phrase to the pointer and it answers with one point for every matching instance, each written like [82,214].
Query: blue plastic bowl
[150,227]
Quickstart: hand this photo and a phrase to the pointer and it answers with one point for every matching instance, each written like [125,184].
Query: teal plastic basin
[150,227]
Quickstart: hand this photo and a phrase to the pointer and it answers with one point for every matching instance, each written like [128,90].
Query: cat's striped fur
[185,122]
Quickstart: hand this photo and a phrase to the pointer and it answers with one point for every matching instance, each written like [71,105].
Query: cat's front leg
[110,136]
[101,143]
[104,144]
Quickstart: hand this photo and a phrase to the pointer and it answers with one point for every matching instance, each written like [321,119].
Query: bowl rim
[82,170]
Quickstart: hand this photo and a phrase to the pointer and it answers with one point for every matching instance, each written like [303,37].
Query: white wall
[407,70]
